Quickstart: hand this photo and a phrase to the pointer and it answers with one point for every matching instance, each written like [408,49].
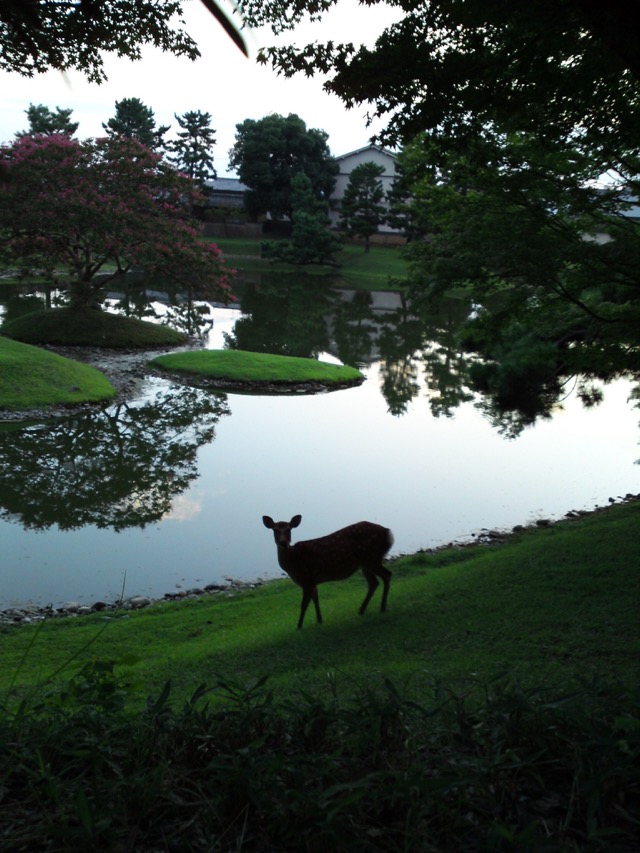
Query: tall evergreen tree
[267,155]
[311,240]
[191,151]
[363,211]
[135,120]
[42,120]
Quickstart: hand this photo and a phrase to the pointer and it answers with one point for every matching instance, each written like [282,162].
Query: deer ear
[295,521]
[268,521]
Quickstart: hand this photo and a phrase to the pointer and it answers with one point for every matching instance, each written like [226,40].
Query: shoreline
[32,613]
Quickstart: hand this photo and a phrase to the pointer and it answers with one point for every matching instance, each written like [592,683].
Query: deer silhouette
[333,558]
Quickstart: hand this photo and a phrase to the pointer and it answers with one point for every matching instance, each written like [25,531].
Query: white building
[348,162]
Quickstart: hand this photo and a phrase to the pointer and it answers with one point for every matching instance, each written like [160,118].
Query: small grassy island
[35,378]
[90,328]
[252,370]
[31,377]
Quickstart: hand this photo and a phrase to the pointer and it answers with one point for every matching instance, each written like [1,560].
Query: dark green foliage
[549,67]
[44,120]
[239,768]
[362,210]
[270,152]
[135,120]
[66,327]
[311,240]
[191,151]
[37,36]
[511,114]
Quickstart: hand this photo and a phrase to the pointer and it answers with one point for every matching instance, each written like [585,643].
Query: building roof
[227,185]
[368,148]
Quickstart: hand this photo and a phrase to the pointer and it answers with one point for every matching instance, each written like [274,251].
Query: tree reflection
[120,467]
[355,328]
[284,315]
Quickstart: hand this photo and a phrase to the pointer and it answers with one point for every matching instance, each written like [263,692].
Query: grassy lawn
[552,607]
[379,269]
[493,707]
[31,377]
[239,366]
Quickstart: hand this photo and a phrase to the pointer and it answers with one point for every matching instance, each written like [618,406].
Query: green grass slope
[552,607]
[239,366]
[64,327]
[32,378]
[494,707]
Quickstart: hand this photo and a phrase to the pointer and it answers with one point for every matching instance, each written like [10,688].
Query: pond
[167,492]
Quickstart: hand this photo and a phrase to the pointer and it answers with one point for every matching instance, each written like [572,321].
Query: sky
[222,82]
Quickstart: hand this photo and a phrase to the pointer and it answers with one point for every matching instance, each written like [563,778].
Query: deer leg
[373,585]
[316,601]
[385,574]
[308,594]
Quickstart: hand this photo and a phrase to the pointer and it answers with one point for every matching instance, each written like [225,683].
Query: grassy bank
[552,606]
[251,367]
[379,269]
[32,378]
[90,328]
[493,707]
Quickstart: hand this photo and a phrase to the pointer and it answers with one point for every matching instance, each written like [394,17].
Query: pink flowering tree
[103,206]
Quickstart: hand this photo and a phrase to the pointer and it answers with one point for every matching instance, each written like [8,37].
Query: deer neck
[288,562]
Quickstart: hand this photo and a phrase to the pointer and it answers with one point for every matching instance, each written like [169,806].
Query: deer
[334,557]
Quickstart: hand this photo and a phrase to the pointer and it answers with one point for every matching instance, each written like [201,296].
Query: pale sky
[222,82]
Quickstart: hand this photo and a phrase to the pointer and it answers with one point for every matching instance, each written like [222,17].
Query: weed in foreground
[238,768]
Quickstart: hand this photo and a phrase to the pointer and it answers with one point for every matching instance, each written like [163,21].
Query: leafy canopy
[36,35]
[102,206]
[450,66]
[44,120]
[267,155]
[135,120]
[520,123]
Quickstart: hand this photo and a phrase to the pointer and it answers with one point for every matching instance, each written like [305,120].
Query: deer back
[336,556]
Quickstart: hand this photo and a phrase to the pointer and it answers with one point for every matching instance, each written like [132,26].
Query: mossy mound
[89,328]
[33,378]
[250,371]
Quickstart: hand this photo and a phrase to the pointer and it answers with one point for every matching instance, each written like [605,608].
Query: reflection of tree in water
[355,328]
[401,337]
[411,342]
[186,307]
[284,315]
[120,467]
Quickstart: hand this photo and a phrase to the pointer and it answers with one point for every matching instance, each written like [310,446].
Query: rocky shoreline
[28,614]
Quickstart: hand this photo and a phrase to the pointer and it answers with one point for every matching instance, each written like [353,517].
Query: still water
[201,469]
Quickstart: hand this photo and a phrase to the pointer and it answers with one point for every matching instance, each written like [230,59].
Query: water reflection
[284,315]
[300,314]
[120,467]
[436,473]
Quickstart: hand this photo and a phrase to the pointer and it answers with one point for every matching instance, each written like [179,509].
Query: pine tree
[363,210]
[135,120]
[311,240]
[191,152]
[42,120]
